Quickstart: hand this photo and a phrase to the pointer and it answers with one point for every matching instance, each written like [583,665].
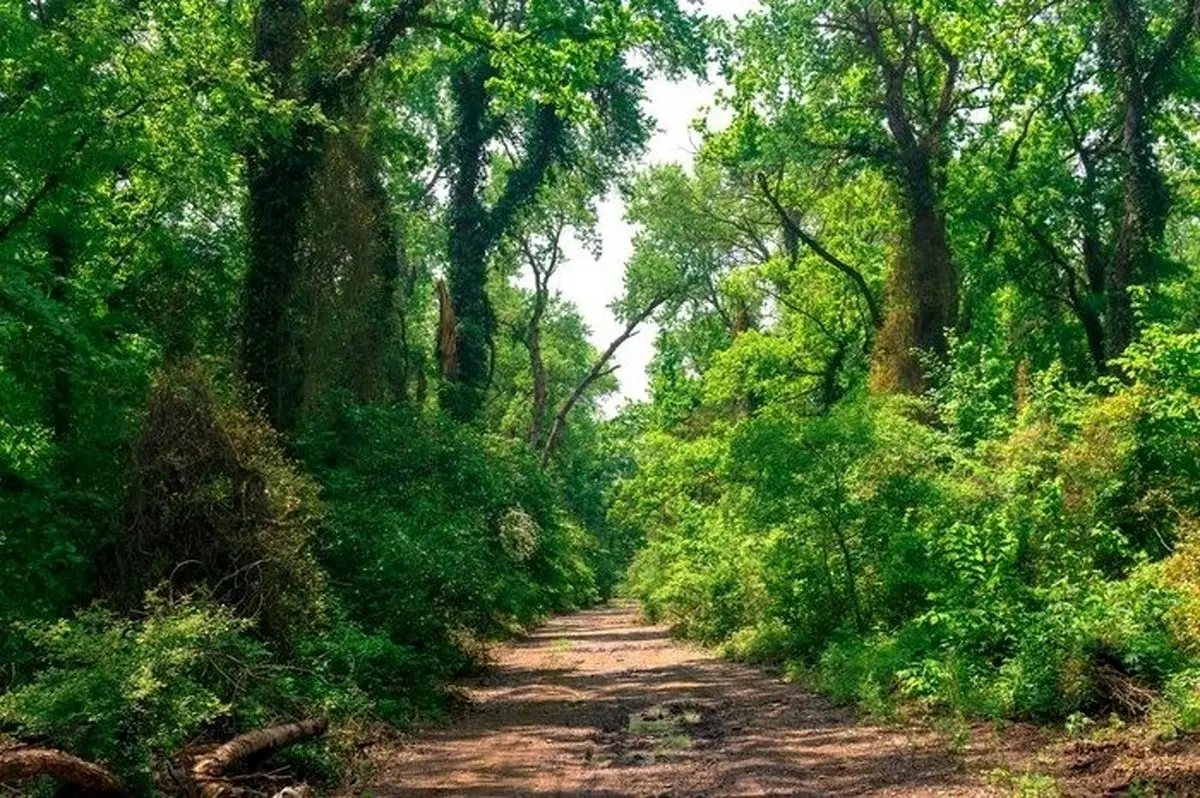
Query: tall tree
[1078,177]
[882,85]
[281,169]
[1146,69]
[521,118]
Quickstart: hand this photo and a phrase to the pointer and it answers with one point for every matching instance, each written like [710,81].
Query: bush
[133,691]
[214,503]
[1007,562]
[438,534]
[435,536]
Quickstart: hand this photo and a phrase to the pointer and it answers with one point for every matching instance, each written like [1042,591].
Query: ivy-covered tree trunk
[1147,201]
[278,182]
[349,272]
[465,375]
[381,328]
[475,228]
[279,174]
[922,295]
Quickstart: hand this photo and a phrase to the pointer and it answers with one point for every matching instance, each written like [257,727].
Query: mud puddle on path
[596,704]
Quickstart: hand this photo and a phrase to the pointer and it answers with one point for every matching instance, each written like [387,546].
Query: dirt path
[595,704]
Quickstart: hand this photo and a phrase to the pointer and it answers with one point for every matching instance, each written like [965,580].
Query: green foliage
[1003,564]
[133,691]
[1019,538]
[1022,538]
[436,531]
[216,214]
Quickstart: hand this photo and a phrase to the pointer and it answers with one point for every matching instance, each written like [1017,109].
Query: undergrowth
[349,578]
[1007,562]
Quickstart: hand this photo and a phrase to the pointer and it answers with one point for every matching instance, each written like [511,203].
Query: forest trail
[596,704]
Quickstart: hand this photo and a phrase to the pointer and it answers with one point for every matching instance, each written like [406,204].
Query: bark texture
[30,763]
[1143,82]
[279,175]
[210,770]
[922,293]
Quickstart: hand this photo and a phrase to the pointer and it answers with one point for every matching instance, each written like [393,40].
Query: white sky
[591,284]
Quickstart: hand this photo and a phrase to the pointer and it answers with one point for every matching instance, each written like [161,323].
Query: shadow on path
[594,704]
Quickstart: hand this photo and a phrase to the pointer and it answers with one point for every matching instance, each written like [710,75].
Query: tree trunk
[279,180]
[537,368]
[465,376]
[1143,83]
[922,288]
[380,333]
[279,176]
[533,340]
[58,249]
[1139,188]
[26,764]
[209,771]
[1090,305]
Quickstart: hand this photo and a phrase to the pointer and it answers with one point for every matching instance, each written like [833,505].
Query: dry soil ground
[597,704]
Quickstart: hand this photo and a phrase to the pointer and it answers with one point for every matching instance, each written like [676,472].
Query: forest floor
[598,704]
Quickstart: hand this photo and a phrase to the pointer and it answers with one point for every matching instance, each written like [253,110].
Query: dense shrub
[133,691]
[1032,558]
[438,533]
[213,502]
[353,593]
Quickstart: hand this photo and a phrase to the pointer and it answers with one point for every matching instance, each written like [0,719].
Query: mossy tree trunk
[1144,79]
[281,173]
[922,294]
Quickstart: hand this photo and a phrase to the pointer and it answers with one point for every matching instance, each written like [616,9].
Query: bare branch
[599,369]
[949,82]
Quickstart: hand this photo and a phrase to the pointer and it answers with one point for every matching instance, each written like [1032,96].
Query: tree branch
[893,79]
[1160,65]
[949,83]
[542,150]
[402,18]
[209,771]
[853,274]
[597,371]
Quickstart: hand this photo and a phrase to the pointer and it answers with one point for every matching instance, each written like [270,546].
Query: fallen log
[209,770]
[23,764]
